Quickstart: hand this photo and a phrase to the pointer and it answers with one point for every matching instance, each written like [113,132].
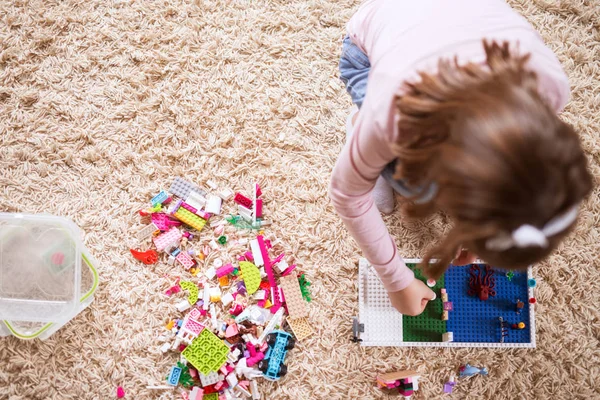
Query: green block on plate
[427,327]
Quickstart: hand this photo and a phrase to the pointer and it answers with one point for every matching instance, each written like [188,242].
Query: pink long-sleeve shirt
[401,38]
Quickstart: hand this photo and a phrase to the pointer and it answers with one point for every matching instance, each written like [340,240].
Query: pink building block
[232,330]
[269,270]
[172,290]
[196,393]
[168,238]
[257,190]
[255,356]
[225,270]
[163,222]
[266,260]
[188,207]
[242,200]
[278,259]
[185,260]
[248,256]
[253,360]
[193,326]
[288,270]
[244,384]
[195,314]
[204,215]
[259,211]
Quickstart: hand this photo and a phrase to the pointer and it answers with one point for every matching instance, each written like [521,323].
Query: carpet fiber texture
[102,103]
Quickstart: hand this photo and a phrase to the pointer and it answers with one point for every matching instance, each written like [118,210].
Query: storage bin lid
[40,268]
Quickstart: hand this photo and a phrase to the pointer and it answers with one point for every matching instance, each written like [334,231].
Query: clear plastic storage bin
[46,275]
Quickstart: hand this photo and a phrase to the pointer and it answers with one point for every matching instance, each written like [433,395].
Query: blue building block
[173,378]
[275,356]
[476,321]
[159,198]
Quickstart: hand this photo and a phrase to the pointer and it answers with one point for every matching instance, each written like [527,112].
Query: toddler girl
[457,112]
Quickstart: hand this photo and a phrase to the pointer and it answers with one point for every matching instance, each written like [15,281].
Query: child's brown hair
[499,155]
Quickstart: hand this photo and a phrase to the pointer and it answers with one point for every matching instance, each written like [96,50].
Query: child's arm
[363,158]
[354,176]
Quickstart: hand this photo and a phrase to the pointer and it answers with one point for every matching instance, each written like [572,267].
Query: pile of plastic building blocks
[235,295]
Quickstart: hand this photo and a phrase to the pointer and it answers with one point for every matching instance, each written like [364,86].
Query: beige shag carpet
[102,103]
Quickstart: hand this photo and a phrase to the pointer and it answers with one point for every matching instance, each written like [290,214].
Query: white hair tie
[529,235]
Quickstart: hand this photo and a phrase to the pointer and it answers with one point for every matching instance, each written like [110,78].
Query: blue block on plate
[476,321]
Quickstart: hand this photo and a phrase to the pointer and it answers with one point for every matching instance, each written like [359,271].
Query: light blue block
[173,379]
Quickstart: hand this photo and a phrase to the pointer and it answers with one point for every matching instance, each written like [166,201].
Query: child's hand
[464,257]
[413,299]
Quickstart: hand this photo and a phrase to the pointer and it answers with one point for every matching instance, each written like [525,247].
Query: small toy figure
[520,306]
[467,371]
[448,386]
[407,382]
[481,282]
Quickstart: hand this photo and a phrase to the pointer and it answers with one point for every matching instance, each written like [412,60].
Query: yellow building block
[190,219]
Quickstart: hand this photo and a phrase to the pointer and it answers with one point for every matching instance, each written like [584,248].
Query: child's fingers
[428,296]
[465,257]
[471,258]
[458,253]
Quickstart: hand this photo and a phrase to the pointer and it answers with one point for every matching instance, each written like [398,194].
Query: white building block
[256,254]
[183,305]
[213,205]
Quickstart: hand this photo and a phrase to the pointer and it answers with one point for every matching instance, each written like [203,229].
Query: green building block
[207,353]
[250,275]
[212,396]
[428,326]
[192,290]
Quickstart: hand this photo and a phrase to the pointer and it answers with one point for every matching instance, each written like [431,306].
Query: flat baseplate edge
[363,269]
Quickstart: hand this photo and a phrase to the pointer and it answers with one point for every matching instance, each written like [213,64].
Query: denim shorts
[354,72]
